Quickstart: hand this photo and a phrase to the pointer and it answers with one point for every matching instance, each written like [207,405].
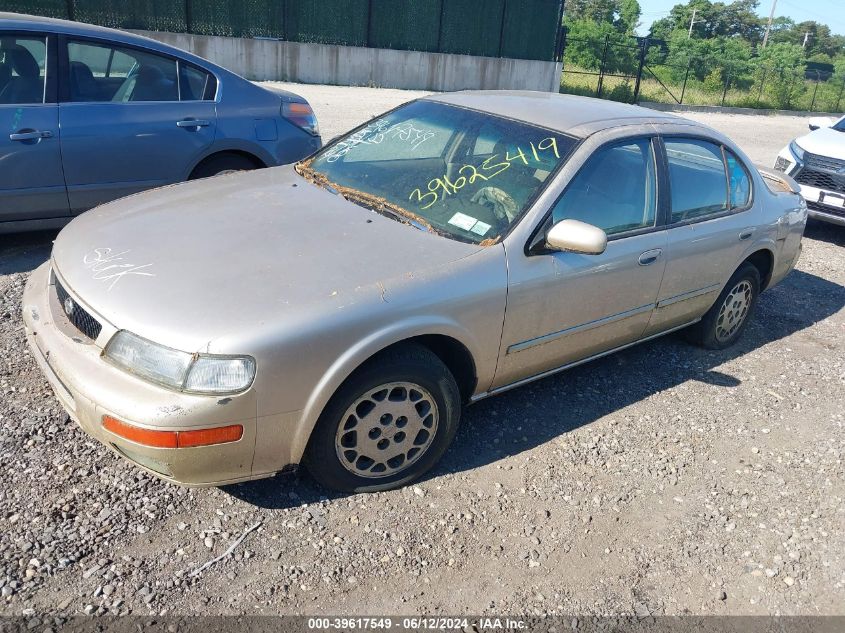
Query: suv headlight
[197,373]
[796,150]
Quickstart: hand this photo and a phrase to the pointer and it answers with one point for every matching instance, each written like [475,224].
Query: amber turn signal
[173,439]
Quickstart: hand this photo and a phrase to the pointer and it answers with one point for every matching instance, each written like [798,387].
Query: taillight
[173,439]
[302,116]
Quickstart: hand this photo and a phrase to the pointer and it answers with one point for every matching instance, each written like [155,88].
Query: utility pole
[691,22]
[806,37]
[769,25]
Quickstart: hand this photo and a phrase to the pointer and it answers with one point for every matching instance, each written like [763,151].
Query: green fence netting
[408,25]
[523,29]
[247,18]
[149,15]
[48,8]
[531,28]
[470,27]
[327,21]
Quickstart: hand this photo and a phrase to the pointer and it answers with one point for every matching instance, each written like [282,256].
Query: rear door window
[102,72]
[697,178]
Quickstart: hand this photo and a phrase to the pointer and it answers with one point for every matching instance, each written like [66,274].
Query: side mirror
[577,237]
[817,122]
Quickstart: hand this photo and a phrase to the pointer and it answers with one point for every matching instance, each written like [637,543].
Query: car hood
[825,142]
[189,263]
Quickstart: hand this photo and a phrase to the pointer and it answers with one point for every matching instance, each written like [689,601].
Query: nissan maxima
[339,313]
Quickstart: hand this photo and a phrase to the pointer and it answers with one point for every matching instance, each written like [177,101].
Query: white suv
[817,162]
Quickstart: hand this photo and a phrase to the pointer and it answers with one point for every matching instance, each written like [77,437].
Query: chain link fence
[634,69]
[522,29]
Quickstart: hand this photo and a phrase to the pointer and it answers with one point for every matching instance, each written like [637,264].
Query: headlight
[796,150]
[199,373]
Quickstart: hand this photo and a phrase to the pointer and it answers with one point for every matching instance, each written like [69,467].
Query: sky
[829,12]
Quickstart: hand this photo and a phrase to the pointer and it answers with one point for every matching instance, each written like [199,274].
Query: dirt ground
[665,479]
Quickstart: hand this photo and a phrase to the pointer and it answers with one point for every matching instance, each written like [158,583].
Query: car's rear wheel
[221,165]
[727,319]
[388,424]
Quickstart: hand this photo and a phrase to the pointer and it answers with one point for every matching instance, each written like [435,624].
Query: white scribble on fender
[112,267]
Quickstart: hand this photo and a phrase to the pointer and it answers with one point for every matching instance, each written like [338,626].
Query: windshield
[460,173]
[840,125]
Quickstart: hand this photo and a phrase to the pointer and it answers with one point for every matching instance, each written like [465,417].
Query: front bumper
[823,203]
[89,388]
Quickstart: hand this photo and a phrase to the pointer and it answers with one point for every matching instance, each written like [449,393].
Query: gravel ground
[665,479]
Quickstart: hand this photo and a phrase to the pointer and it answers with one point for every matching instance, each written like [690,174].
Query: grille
[823,162]
[77,315]
[821,179]
[816,206]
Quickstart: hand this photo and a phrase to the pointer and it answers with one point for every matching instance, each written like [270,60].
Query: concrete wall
[273,60]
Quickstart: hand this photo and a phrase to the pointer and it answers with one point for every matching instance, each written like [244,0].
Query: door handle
[649,257]
[746,234]
[30,136]
[193,123]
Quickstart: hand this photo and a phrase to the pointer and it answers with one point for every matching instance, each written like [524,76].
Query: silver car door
[709,228]
[563,306]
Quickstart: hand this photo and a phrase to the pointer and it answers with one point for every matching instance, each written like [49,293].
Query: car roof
[22,22]
[569,114]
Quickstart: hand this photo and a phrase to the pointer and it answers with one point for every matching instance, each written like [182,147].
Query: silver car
[339,313]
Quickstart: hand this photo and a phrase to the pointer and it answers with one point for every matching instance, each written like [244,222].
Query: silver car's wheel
[387,424]
[387,430]
[734,310]
[723,324]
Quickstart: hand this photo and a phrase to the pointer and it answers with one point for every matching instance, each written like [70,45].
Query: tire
[222,164]
[727,319]
[408,380]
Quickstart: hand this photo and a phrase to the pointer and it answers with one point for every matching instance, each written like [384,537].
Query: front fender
[375,342]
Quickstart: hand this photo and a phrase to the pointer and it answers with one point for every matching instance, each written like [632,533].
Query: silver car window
[616,190]
[740,181]
[462,173]
[697,179]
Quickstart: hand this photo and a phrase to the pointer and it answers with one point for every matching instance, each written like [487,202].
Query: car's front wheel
[727,319]
[389,423]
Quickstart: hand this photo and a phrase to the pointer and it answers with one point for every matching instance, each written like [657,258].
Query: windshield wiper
[367,200]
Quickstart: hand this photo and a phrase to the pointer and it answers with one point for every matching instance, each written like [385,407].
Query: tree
[624,15]
[819,37]
[712,19]
[629,16]
[784,63]
[593,10]
[585,47]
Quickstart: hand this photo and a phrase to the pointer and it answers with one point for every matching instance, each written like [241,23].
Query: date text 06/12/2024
[414,623]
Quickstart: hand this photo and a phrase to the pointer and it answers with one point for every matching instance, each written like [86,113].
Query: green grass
[696,93]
